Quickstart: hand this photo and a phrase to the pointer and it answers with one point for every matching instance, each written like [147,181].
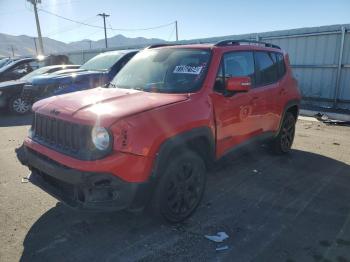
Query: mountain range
[23,45]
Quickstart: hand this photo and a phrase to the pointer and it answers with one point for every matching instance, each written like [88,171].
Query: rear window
[281,66]
[102,62]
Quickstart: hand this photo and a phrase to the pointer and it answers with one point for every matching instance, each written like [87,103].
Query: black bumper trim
[84,190]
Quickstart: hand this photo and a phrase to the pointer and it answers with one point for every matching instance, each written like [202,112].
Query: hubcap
[287,134]
[184,190]
[20,105]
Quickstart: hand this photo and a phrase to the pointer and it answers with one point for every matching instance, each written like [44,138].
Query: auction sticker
[184,69]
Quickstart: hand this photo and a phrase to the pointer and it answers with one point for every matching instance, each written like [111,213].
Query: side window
[21,69]
[281,66]
[34,65]
[266,68]
[235,64]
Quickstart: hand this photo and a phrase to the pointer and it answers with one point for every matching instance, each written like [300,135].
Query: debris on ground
[336,144]
[218,238]
[325,119]
[221,248]
[255,171]
[24,180]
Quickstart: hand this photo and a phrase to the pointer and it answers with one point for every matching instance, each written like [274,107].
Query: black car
[5,61]
[10,91]
[16,68]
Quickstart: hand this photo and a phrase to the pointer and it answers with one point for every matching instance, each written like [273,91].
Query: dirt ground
[274,208]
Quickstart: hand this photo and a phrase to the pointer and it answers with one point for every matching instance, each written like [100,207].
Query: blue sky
[196,19]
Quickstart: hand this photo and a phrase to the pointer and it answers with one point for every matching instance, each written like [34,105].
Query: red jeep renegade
[148,138]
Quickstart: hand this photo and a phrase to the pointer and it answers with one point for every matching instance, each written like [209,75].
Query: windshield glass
[102,62]
[4,62]
[7,66]
[39,71]
[168,70]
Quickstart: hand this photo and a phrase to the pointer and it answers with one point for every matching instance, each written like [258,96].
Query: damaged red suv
[148,138]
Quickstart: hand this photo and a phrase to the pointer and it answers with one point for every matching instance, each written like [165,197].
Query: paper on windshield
[185,69]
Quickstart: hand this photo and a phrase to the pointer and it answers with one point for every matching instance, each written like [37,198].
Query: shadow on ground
[289,208]
[8,119]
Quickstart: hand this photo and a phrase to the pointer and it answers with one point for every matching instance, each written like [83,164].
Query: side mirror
[238,84]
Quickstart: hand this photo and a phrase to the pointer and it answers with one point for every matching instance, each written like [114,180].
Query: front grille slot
[60,134]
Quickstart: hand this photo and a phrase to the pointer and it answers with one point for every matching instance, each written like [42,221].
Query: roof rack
[238,42]
[158,45]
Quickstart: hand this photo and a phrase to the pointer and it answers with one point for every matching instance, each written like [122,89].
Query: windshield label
[184,69]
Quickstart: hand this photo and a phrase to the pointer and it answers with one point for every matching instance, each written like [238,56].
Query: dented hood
[103,105]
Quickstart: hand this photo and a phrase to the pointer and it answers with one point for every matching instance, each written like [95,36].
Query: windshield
[39,71]
[7,66]
[4,62]
[168,70]
[102,62]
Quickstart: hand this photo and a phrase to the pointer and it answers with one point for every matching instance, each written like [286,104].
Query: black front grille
[62,135]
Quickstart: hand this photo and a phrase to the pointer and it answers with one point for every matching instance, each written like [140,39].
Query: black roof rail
[237,42]
[158,45]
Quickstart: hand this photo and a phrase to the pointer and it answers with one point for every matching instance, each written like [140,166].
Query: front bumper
[84,190]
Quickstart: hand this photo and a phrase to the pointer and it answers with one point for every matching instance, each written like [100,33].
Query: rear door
[264,94]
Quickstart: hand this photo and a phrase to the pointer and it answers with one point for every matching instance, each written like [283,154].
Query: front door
[233,111]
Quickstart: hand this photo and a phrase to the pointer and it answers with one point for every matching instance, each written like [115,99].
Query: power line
[110,28]
[69,2]
[68,19]
[171,34]
[69,28]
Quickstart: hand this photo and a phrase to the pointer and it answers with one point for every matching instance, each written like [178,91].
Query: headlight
[100,138]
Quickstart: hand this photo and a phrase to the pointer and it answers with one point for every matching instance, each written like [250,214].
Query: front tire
[282,144]
[18,105]
[180,189]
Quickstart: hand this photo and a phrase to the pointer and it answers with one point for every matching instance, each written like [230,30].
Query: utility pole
[177,32]
[36,49]
[104,24]
[13,51]
[89,42]
[41,46]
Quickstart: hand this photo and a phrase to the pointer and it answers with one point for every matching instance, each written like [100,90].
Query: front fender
[145,132]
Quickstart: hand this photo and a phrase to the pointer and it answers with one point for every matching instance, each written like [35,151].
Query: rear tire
[180,188]
[283,142]
[18,105]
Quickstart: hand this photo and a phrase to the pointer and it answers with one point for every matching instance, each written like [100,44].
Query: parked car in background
[167,116]
[19,67]
[98,71]
[5,61]
[10,91]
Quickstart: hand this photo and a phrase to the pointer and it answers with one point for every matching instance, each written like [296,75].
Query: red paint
[142,121]
[240,84]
